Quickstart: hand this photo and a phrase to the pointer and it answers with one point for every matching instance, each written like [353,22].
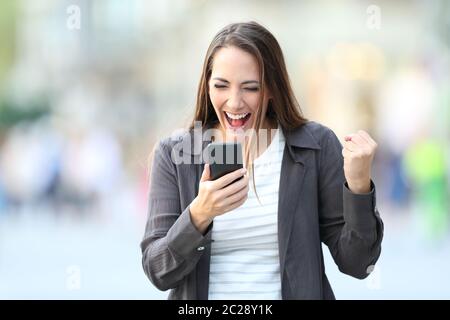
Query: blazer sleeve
[350,224]
[171,246]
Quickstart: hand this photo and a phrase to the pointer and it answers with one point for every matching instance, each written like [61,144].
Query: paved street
[46,258]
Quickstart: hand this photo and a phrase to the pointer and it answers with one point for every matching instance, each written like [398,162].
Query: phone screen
[223,158]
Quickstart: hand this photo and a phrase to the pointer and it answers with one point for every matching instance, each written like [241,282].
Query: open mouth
[237,120]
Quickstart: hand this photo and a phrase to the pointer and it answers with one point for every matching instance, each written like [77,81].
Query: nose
[234,100]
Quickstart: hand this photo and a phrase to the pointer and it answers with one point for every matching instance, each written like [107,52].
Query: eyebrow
[245,82]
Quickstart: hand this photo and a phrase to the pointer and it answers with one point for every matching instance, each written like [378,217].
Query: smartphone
[223,158]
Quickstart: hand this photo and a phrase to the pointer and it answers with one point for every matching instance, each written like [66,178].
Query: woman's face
[235,90]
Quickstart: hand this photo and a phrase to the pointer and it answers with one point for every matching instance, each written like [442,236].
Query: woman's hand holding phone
[216,197]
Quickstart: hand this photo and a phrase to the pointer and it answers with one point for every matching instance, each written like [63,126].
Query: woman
[209,239]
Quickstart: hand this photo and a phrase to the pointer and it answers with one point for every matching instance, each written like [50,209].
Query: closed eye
[221,86]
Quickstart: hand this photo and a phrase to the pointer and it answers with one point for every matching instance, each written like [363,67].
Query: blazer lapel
[293,168]
[291,181]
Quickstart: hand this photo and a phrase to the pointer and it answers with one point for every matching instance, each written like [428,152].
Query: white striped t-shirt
[244,254]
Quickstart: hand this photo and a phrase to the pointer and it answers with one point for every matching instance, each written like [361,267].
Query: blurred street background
[87,87]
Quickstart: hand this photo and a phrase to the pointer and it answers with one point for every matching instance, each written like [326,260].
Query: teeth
[236,116]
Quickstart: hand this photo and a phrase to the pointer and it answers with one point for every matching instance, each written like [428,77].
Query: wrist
[361,186]
[200,221]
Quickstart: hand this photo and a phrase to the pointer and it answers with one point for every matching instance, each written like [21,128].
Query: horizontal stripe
[252,282]
[255,238]
[246,272]
[245,207]
[260,249]
[233,267]
[245,286]
[242,217]
[247,296]
[268,192]
[264,204]
[260,262]
[262,224]
[267,183]
[244,256]
[271,165]
[245,292]
[230,249]
[271,170]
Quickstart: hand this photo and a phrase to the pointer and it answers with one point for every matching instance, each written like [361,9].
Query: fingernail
[243,170]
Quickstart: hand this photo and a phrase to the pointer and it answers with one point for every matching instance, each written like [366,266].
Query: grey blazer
[314,206]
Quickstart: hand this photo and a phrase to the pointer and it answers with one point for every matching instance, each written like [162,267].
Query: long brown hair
[282,106]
